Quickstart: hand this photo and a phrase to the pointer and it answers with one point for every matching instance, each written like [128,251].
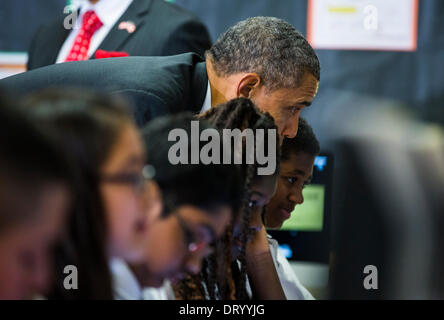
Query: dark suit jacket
[162,29]
[154,86]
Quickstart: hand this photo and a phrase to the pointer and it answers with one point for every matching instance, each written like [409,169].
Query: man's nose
[291,130]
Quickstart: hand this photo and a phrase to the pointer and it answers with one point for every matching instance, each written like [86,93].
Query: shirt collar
[108,11]
[125,284]
[207,102]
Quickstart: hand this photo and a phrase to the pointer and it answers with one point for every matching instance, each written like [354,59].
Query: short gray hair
[268,46]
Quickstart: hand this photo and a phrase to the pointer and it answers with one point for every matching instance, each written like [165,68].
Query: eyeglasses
[137,181]
[193,245]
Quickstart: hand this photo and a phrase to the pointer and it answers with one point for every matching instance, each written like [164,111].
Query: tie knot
[91,21]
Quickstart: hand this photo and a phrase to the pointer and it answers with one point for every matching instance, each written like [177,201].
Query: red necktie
[90,24]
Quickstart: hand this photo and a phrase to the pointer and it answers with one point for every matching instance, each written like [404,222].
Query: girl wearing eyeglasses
[111,203]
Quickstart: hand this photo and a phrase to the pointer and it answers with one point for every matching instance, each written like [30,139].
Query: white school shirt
[293,289]
[108,11]
[290,283]
[125,284]
[165,292]
[127,287]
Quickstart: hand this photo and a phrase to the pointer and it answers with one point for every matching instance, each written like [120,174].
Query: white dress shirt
[108,11]
[207,102]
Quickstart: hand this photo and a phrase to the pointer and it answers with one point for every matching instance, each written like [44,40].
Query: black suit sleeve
[113,76]
[145,106]
[189,36]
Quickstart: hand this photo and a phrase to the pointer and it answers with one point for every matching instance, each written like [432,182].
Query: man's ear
[247,84]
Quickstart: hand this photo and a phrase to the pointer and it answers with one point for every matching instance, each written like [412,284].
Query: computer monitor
[305,236]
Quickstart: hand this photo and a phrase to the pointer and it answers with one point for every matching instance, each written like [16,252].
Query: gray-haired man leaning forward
[262,58]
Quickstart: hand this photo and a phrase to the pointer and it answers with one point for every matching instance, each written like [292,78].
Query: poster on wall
[386,25]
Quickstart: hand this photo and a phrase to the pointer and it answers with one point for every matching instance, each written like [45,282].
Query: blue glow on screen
[320,162]
[286,250]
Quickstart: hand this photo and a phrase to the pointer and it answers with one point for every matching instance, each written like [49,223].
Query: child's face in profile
[178,243]
[125,194]
[296,172]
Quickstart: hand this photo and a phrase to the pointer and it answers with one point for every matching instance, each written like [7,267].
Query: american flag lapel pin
[129,26]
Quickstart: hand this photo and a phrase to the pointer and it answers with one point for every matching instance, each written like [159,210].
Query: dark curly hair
[220,277]
[269,46]
[305,141]
[206,186]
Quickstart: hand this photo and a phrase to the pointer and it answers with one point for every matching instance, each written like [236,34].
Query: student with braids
[298,155]
[224,275]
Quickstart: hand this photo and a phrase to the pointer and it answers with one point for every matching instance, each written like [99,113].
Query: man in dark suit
[262,58]
[136,27]
[154,86]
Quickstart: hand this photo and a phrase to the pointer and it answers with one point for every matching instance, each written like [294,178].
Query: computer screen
[305,236]
[308,216]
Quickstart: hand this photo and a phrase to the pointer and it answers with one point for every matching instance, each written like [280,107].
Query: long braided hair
[221,278]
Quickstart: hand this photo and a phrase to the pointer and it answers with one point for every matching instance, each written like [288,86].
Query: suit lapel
[135,13]
[54,43]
